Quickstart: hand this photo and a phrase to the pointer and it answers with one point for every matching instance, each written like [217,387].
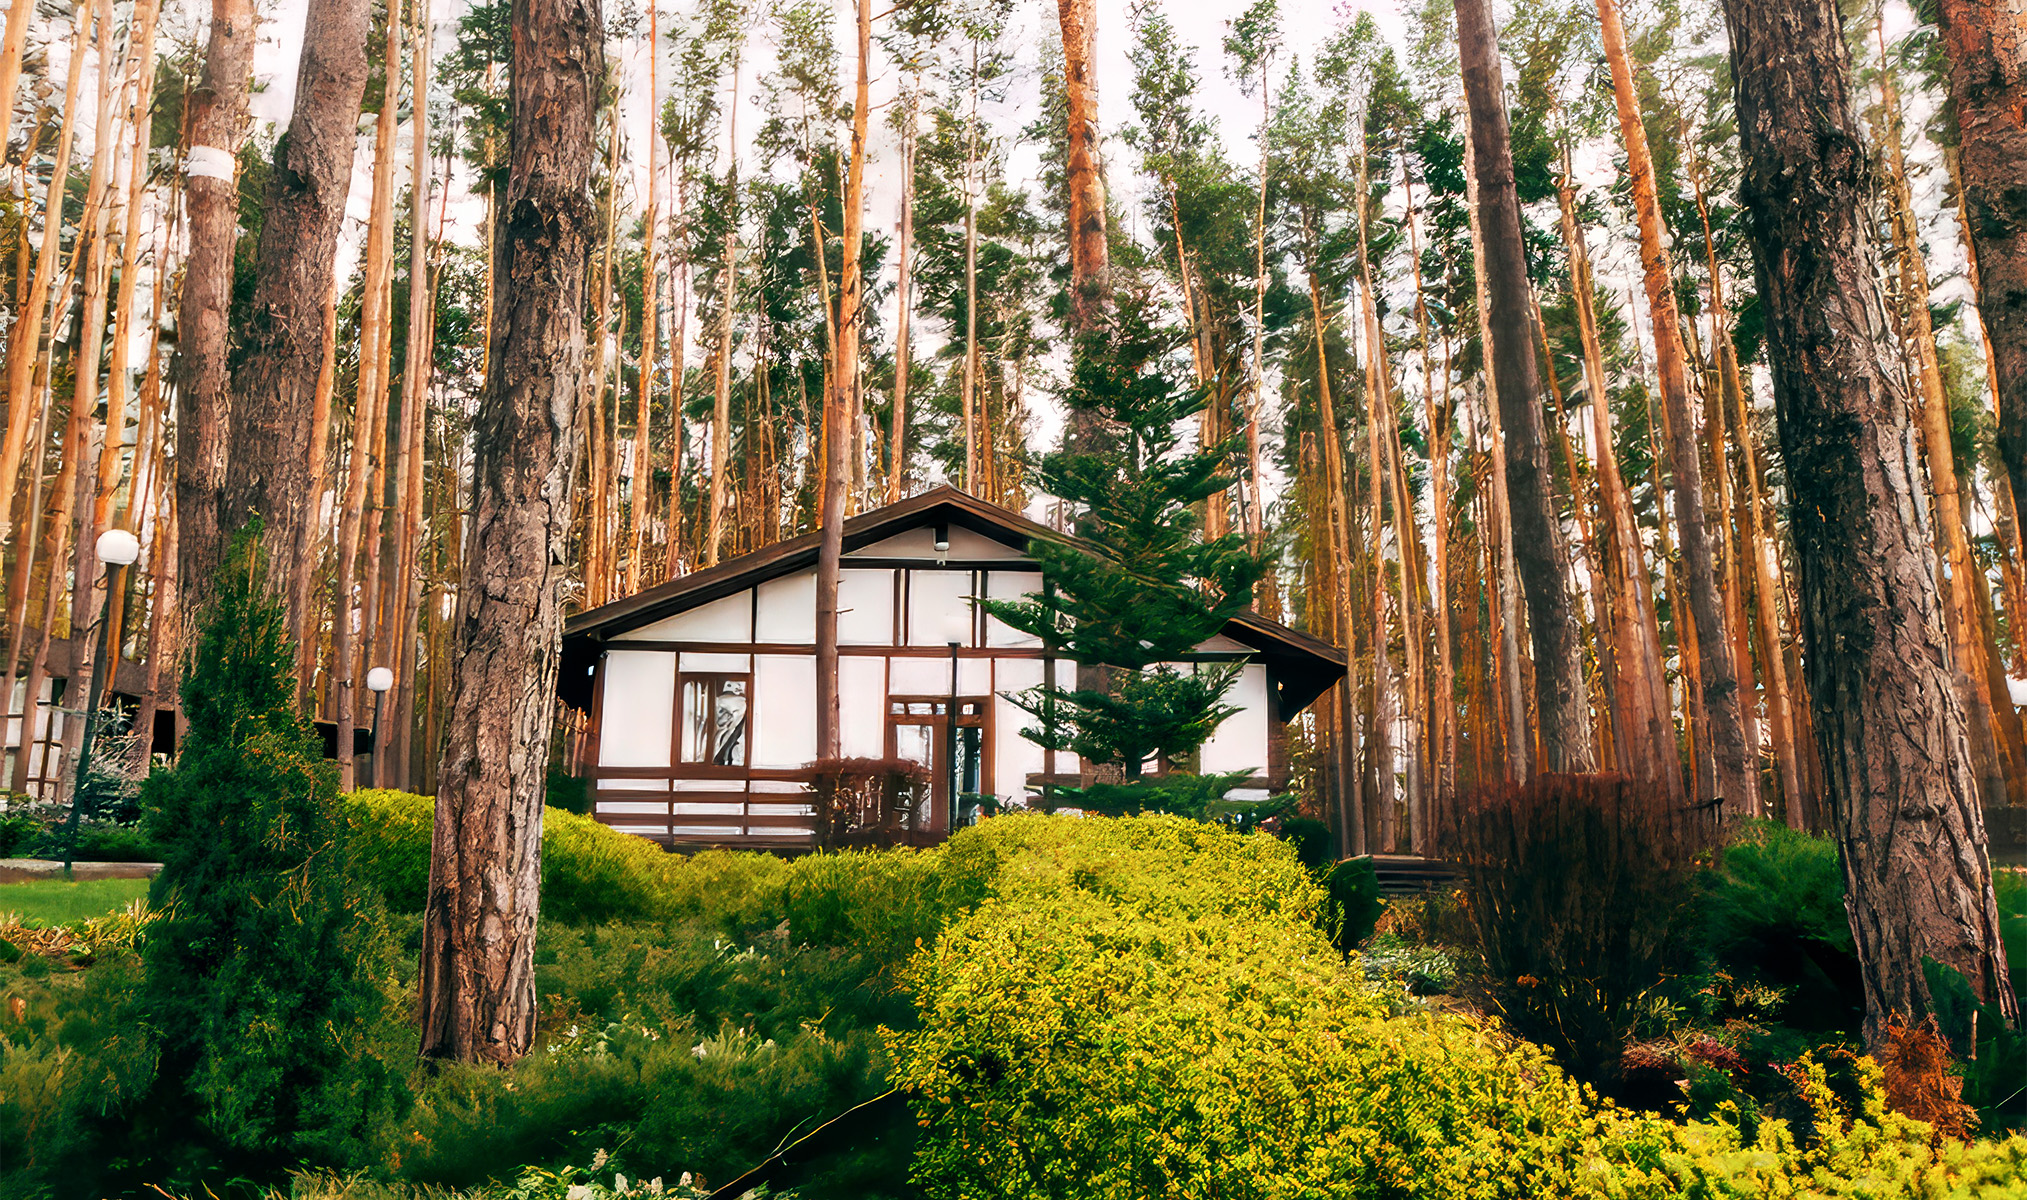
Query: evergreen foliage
[1141,588]
[266,965]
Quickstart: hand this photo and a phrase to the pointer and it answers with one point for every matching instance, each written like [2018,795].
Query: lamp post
[117,549]
[378,681]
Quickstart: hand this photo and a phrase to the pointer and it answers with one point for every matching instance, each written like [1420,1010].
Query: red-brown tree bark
[274,380]
[478,934]
[1540,553]
[1918,881]
[1985,47]
[217,119]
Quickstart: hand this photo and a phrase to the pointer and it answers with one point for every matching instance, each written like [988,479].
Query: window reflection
[715,719]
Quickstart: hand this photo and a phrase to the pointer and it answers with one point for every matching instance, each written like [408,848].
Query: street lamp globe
[379,679]
[118,548]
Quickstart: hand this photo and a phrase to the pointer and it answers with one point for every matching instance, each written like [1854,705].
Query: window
[715,712]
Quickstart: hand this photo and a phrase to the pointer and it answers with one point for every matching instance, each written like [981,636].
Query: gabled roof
[1305,666]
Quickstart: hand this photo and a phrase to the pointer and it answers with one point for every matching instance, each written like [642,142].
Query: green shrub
[1084,1037]
[589,872]
[265,966]
[1577,886]
[1355,903]
[1771,911]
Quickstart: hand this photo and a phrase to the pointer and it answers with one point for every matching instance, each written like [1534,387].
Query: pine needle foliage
[264,971]
[1140,588]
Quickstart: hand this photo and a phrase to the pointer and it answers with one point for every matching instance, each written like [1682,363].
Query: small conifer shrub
[267,966]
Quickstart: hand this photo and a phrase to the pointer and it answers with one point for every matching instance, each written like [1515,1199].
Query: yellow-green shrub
[1142,1008]
[589,873]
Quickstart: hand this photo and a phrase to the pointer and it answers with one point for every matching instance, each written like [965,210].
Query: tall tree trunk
[397,636]
[1442,734]
[1517,745]
[358,522]
[274,382]
[1540,555]
[897,440]
[1960,574]
[24,336]
[838,403]
[650,329]
[1644,717]
[598,517]
[721,404]
[141,62]
[1090,256]
[211,200]
[969,383]
[1986,53]
[1736,775]
[478,933]
[1918,882]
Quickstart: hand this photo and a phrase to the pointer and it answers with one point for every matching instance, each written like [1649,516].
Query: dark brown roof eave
[1307,666]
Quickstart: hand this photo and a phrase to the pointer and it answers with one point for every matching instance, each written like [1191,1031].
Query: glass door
[919,730]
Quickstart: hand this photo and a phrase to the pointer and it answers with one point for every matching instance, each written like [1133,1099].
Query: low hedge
[1147,1007]
[590,874]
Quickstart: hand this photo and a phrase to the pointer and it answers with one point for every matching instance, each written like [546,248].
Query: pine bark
[1540,554]
[897,440]
[838,402]
[1736,776]
[1918,881]
[1985,47]
[478,955]
[1089,253]
[721,401]
[24,336]
[203,404]
[274,380]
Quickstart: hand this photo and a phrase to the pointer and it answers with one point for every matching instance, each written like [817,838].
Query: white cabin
[701,692]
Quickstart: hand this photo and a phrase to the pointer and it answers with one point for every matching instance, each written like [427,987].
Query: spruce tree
[1140,588]
[264,970]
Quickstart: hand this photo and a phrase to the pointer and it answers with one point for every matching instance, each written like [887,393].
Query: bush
[1577,887]
[265,967]
[589,872]
[1771,912]
[1086,1035]
[1355,904]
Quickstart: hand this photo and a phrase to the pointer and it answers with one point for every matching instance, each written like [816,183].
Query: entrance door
[918,729]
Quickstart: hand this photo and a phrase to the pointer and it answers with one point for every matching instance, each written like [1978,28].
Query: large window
[715,719]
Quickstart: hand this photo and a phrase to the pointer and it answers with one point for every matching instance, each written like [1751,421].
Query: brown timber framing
[754,804]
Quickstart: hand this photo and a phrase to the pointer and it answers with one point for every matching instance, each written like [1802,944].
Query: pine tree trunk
[1645,725]
[1918,882]
[274,381]
[478,937]
[391,766]
[838,402]
[598,518]
[650,330]
[203,406]
[24,336]
[1540,556]
[141,62]
[721,404]
[1517,745]
[1736,776]
[11,46]
[1986,53]
[897,440]
[1090,256]
[1959,574]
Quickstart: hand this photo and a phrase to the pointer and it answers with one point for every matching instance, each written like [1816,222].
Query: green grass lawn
[59,902]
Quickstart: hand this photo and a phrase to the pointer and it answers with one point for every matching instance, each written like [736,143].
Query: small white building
[701,692]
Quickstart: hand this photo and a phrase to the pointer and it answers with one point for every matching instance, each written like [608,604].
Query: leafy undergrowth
[1080,1007]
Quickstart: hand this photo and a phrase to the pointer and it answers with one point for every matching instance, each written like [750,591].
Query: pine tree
[265,966]
[1141,588]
